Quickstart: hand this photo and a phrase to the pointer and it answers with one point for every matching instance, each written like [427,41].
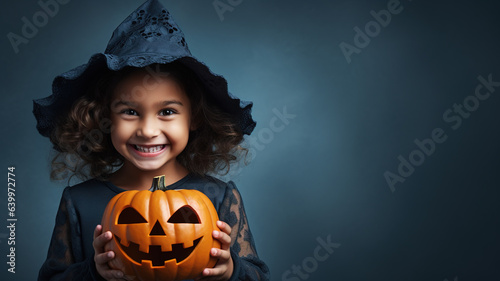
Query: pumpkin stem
[159,183]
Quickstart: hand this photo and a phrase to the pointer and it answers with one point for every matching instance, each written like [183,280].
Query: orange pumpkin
[161,235]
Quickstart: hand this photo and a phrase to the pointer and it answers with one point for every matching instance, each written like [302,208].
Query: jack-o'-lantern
[161,234]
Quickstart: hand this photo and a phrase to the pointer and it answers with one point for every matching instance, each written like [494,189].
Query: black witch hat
[148,36]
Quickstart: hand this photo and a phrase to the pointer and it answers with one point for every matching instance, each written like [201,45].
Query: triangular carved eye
[185,214]
[129,216]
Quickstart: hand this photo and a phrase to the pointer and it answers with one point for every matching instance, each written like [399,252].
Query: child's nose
[149,128]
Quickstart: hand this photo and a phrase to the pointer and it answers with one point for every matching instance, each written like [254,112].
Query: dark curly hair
[82,138]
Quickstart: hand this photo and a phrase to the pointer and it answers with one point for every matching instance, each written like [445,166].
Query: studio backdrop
[376,151]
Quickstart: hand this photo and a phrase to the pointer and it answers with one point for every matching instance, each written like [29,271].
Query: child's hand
[101,257]
[224,267]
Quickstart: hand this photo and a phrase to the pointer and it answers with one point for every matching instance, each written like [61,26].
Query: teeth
[149,149]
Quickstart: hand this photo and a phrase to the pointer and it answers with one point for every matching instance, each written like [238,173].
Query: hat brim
[69,86]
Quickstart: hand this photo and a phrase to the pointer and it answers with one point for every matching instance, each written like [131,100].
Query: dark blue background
[323,173]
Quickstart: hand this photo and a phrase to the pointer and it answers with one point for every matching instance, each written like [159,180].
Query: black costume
[71,255]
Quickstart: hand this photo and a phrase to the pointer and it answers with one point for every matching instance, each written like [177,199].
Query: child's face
[151,119]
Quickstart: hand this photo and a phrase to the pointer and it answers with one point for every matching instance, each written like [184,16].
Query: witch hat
[147,36]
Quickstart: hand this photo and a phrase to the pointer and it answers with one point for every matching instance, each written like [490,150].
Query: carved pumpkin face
[161,235]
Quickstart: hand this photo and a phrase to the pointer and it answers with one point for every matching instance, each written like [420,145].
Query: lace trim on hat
[152,26]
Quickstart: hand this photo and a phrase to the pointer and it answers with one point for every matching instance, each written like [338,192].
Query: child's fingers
[97,230]
[223,238]
[101,264]
[214,271]
[222,270]
[221,254]
[112,274]
[224,227]
[103,258]
[100,241]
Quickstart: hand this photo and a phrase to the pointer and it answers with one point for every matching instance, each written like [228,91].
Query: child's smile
[148,150]
[151,122]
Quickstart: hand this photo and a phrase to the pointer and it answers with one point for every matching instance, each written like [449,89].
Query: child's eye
[167,111]
[129,111]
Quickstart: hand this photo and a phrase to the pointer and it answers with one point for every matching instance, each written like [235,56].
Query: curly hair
[82,138]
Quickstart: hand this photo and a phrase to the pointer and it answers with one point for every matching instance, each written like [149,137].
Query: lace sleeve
[65,259]
[247,265]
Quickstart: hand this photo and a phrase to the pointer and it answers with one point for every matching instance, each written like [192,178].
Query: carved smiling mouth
[156,255]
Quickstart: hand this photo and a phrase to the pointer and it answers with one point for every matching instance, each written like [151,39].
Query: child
[144,108]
